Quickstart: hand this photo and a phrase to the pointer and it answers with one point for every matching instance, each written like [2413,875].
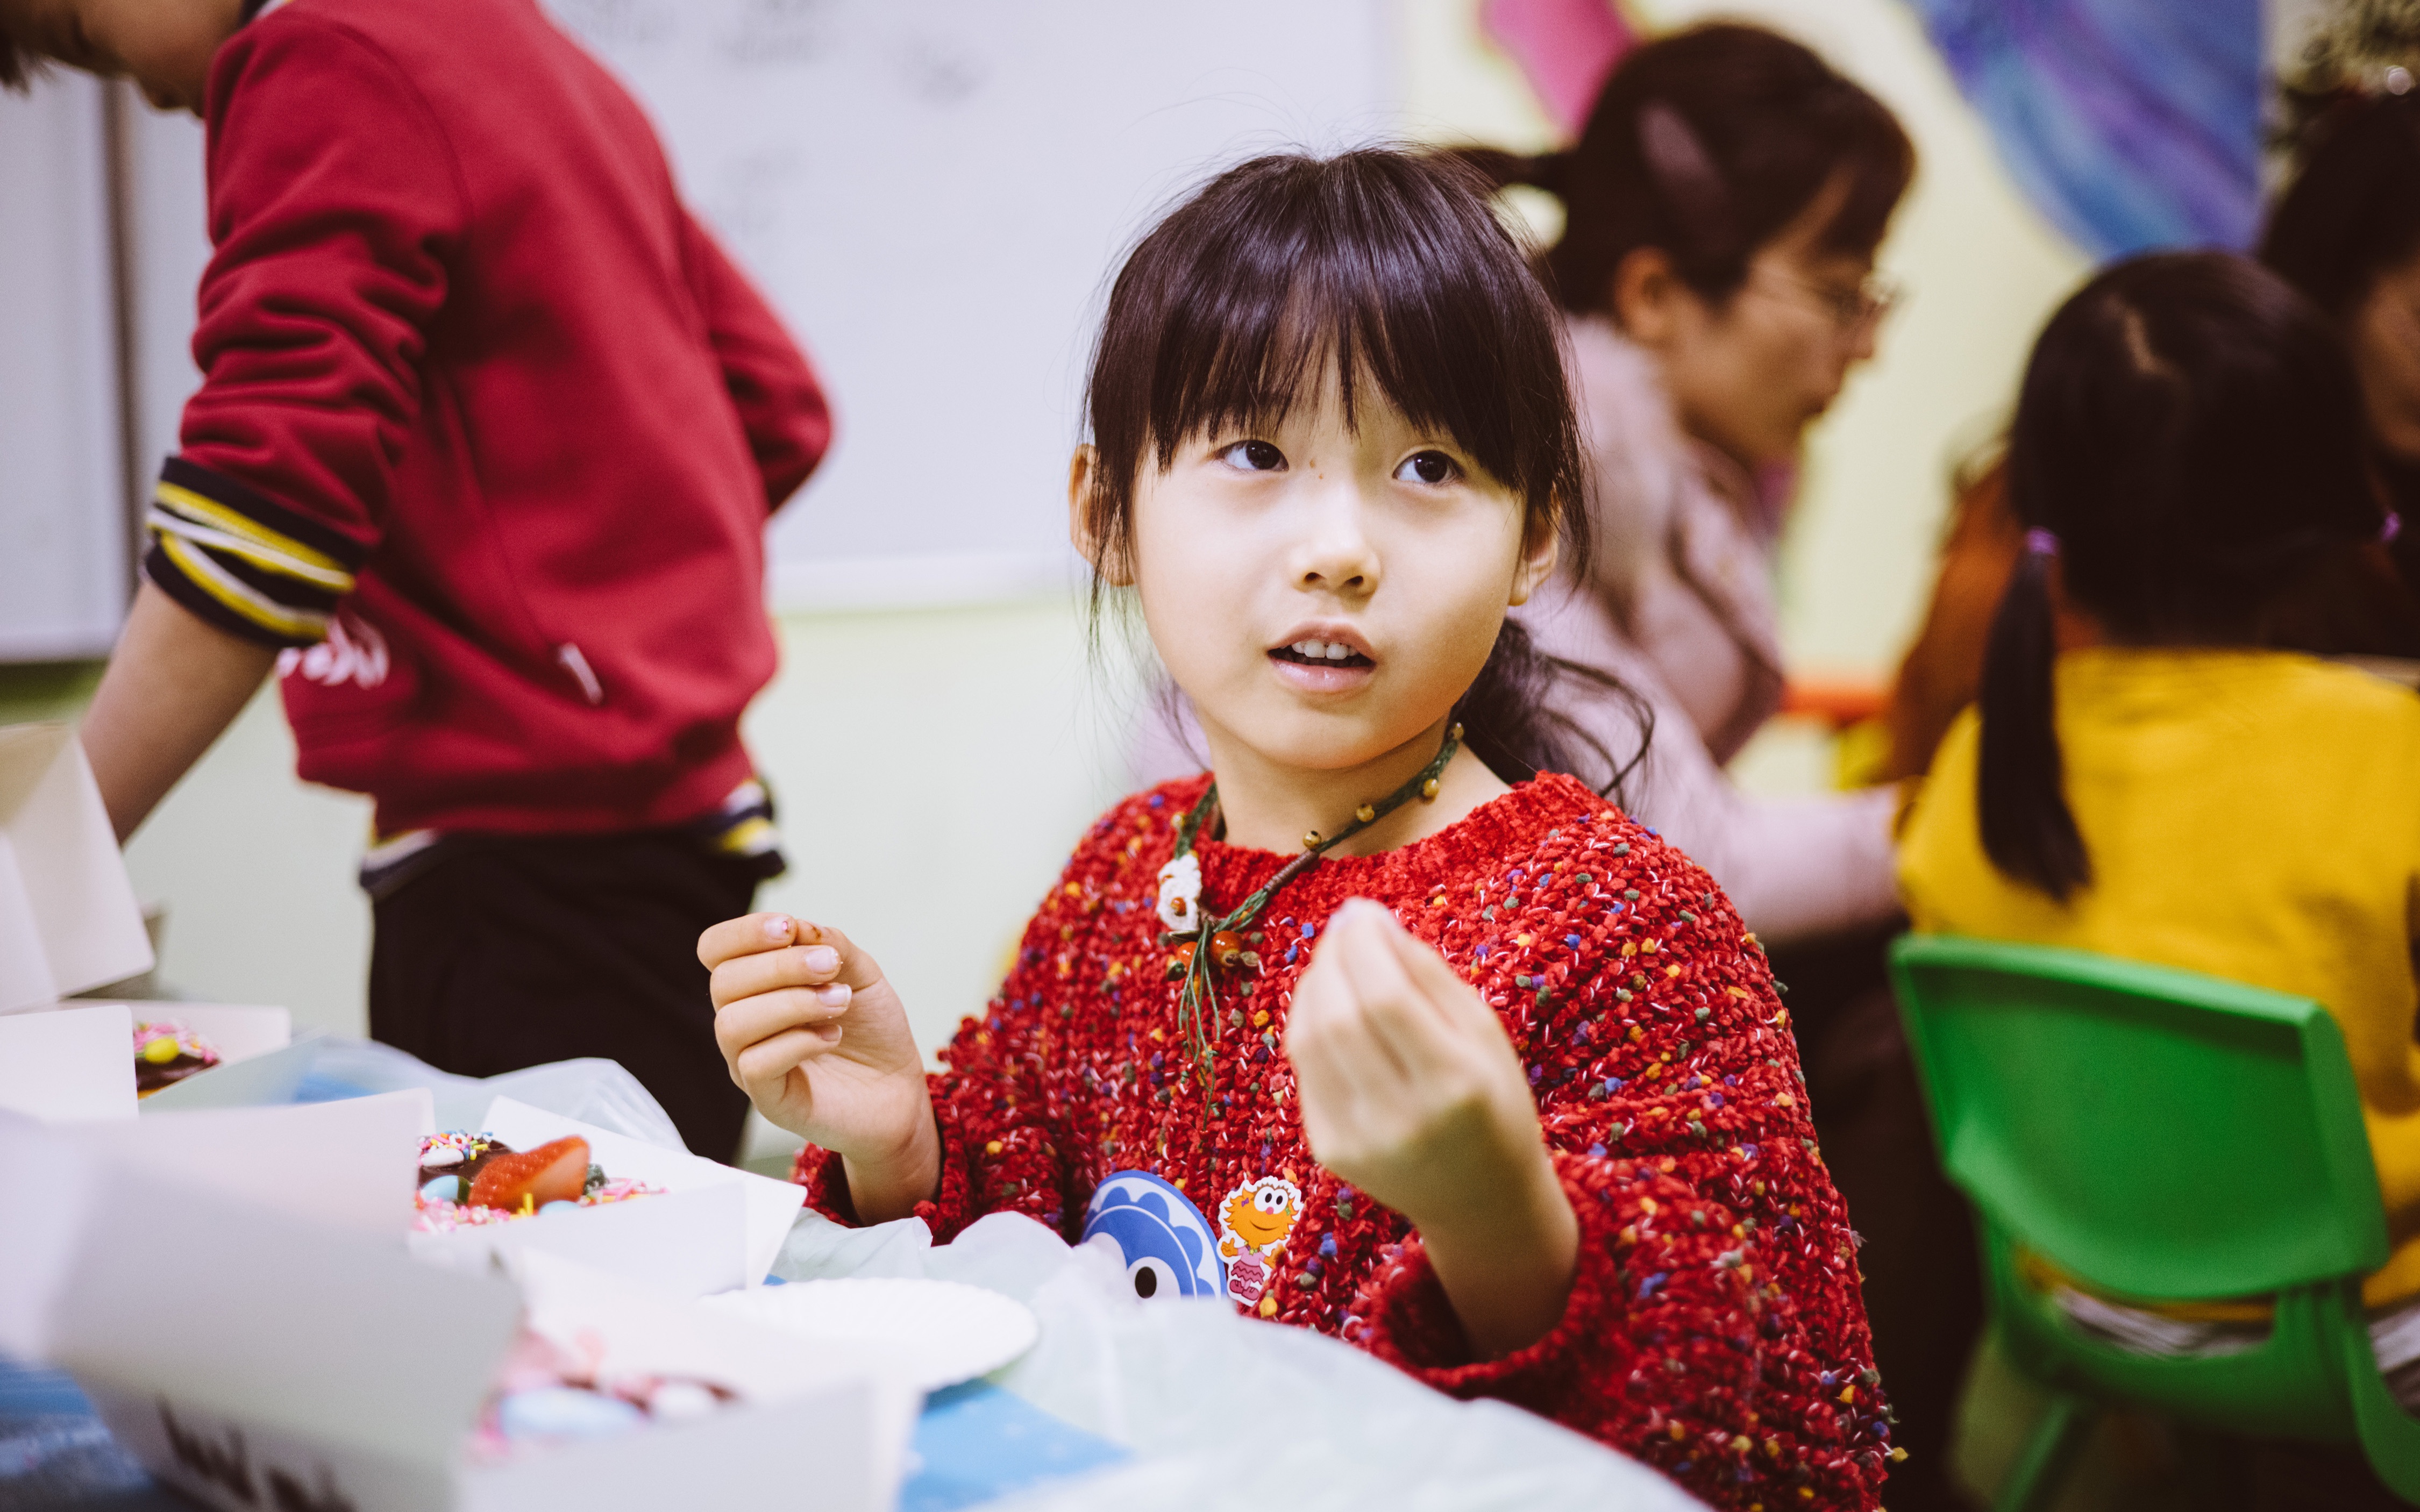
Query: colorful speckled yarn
[1714,1328]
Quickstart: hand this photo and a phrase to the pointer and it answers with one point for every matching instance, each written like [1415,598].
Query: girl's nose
[1336,553]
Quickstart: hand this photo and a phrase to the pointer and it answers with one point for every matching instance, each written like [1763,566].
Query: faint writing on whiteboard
[752,196]
[354,652]
[938,72]
[780,31]
[610,26]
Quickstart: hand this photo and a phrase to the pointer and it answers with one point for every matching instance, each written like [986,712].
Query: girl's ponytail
[2020,801]
[1549,171]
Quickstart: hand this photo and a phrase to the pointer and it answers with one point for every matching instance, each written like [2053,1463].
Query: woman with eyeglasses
[1723,208]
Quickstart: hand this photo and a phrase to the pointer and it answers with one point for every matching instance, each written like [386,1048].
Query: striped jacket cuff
[242,561]
[743,830]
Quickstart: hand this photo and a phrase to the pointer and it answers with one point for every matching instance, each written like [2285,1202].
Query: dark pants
[508,952]
[1923,1277]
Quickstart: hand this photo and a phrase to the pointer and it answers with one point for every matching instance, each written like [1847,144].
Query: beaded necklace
[1203,944]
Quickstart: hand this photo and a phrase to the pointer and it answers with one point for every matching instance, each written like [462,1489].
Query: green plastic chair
[2163,1136]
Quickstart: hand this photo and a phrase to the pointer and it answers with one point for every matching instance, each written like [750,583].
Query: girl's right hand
[813,1033]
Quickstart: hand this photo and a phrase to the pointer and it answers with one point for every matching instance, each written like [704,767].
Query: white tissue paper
[1219,1408]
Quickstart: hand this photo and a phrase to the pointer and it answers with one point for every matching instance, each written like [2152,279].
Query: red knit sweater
[1715,1328]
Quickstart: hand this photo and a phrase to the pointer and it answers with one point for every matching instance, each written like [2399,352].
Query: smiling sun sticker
[1254,1222]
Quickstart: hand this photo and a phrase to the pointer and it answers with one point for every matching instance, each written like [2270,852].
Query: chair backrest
[2160,1133]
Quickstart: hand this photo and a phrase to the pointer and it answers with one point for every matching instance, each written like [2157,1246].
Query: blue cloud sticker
[1171,1250]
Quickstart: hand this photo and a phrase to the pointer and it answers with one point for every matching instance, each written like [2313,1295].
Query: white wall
[63,569]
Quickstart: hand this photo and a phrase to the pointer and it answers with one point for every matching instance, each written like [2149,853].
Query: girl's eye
[1427,467]
[1253,457]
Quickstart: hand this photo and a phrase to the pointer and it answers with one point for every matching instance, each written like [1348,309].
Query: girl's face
[2385,340]
[1748,374]
[1323,594]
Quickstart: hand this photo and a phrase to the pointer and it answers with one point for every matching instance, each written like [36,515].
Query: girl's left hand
[1412,1092]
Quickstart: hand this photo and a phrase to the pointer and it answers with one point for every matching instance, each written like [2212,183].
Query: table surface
[974,1442]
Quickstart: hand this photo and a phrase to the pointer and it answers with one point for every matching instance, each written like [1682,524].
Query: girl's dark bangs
[1386,300]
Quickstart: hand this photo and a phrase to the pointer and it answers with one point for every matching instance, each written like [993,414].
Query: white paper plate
[940,1332]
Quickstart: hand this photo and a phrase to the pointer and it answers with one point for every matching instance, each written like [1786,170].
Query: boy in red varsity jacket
[487,437]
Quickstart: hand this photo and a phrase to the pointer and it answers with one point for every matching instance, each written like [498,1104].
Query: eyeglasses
[1851,310]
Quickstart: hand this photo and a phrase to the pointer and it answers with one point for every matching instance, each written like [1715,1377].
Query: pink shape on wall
[1565,48]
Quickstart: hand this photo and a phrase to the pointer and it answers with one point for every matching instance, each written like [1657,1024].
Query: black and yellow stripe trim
[243,562]
[743,829]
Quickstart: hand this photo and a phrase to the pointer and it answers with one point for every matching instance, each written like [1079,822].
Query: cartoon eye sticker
[1168,1246]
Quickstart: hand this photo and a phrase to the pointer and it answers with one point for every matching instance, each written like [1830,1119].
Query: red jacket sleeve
[781,404]
[1724,1346]
[335,211]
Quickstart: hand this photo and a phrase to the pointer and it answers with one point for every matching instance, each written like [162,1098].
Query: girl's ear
[1080,471]
[1541,548]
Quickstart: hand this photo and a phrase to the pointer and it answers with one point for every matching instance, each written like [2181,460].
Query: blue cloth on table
[54,1452]
[976,1442]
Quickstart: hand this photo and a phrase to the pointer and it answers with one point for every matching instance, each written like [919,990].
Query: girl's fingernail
[835,995]
[777,927]
[822,957]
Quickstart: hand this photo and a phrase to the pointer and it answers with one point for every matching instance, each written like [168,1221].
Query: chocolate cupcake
[165,1053]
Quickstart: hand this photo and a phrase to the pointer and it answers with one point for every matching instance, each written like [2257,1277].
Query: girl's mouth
[1321,653]
[1322,666]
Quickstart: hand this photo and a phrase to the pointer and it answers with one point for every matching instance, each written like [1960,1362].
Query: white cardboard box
[346,1164]
[67,917]
[64,1068]
[73,1064]
[255,1359]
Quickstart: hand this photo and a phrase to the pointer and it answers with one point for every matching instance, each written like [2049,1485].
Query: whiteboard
[935,194]
[64,565]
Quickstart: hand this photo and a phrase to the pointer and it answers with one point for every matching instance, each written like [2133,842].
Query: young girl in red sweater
[1483,1078]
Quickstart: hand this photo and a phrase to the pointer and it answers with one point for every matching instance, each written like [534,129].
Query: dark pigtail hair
[2187,450]
[1511,722]
[2028,831]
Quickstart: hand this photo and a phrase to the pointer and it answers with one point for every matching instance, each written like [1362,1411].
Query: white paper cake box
[346,1164]
[253,1359]
[712,1228]
[68,921]
[73,1064]
[261,1062]
[57,1061]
